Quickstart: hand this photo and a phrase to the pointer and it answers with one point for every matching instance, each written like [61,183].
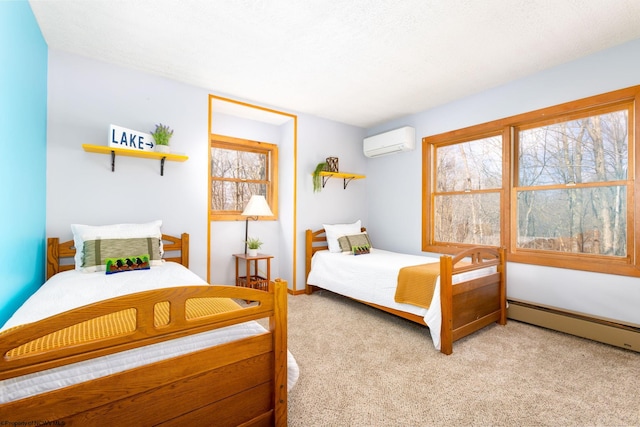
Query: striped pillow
[97,251]
[358,240]
[83,233]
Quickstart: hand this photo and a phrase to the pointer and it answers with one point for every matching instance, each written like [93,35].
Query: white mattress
[71,289]
[373,278]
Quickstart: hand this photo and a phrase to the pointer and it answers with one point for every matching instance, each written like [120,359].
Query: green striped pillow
[358,240]
[97,251]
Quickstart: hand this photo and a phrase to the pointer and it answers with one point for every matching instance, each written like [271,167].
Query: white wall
[286,185]
[394,182]
[86,96]
[317,140]
[227,236]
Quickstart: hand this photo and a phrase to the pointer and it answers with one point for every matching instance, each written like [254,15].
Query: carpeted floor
[362,367]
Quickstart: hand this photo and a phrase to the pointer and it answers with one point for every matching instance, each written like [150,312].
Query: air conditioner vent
[394,141]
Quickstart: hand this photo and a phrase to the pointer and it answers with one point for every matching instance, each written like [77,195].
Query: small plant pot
[162,148]
[252,252]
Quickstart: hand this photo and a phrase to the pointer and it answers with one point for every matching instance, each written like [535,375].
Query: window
[468,190]
[554,186]
[239,169]
[572,189]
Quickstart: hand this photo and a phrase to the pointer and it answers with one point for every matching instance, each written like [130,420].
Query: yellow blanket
[416,284]
[118,323]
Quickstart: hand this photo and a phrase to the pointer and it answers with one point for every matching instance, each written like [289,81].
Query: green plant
[317,179]
[162,134]
[253,243]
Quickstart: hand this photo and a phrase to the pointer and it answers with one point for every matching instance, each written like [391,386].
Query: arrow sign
[121,137]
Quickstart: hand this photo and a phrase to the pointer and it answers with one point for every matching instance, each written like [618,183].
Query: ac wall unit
[393,141]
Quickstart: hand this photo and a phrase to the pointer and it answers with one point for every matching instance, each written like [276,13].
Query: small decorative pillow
[360,240]
[97,251]
[361,250]
[118,265]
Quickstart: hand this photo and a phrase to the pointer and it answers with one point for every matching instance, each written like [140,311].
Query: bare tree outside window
[555,186]
[468,187]
[240,169]
[572,185]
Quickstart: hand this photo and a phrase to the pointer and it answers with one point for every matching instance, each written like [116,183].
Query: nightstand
[252,278]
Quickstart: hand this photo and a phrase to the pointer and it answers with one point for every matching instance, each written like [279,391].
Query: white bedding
[71,289]
[373,278]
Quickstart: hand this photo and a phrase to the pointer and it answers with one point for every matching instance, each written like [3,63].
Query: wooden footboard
[240,382]
[473,304]
[244,381]
[467,306]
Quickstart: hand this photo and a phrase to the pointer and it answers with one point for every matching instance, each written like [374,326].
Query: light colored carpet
[362,367]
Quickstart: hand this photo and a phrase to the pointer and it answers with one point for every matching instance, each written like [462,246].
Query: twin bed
[467,291]
[159,346]
[149,347]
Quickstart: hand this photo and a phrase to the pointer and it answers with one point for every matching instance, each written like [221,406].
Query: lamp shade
[257,206]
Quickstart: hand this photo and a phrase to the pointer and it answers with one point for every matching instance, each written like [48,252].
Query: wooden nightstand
[253,279]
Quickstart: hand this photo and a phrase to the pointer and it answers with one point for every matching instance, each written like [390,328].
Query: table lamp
[256,207]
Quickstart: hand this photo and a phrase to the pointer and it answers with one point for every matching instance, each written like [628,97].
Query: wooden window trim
[228,142]
[627,266]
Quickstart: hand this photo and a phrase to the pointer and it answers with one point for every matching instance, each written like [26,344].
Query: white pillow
[335,231]
[82,233]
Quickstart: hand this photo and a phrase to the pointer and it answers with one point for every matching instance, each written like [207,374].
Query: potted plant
[253,244]
[162,135]
[317,179]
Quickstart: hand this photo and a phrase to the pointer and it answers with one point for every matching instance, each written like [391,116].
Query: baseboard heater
[605,331]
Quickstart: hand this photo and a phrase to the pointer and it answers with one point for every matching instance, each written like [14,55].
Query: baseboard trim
[605,331]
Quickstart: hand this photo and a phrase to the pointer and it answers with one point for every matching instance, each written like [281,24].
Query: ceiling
[361,62]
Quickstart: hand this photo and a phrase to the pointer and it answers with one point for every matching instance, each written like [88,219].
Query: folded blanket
[118,323]
[416,284]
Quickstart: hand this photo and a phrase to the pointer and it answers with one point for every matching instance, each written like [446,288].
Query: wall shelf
[347,177]
[103,149]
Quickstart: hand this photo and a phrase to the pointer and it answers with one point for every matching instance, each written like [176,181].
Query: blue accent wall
[23,150]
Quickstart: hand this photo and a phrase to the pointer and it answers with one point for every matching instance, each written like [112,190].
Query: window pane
[591,149]
[234,196]
[238,164]
[472,165]
[468,218]
[578,220]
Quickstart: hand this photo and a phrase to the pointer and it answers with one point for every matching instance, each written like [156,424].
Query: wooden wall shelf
[103,149]
[347,177]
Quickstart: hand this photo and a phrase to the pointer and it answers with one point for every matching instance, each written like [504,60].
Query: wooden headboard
[60,255]
[315,241]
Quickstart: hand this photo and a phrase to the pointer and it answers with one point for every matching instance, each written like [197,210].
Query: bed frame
[466,307]
[241,382]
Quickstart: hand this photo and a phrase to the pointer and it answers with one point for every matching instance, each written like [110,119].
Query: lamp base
[246,234]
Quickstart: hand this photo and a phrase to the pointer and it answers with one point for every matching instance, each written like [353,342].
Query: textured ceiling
[360,62]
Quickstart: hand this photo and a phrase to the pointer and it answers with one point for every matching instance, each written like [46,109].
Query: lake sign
[130,139]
